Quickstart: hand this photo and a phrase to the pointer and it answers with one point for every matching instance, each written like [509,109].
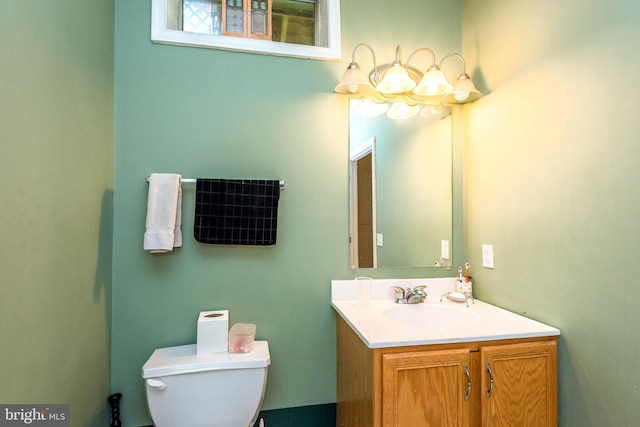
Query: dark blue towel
[236,211]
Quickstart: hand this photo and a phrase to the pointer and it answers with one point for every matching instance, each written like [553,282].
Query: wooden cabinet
[490,383]
[426,388]
[247,18]
[519,384]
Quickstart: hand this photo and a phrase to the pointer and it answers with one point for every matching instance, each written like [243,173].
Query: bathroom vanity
[440,363]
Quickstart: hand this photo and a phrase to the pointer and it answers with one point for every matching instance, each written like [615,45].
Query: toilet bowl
[205,390]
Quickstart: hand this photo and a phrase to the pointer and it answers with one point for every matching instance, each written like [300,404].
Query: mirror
[400,189]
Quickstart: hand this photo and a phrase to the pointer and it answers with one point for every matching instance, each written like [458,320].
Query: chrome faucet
[409,296]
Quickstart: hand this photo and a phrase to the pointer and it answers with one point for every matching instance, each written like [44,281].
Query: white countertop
[373,322]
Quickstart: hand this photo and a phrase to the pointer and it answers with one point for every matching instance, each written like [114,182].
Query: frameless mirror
[400,189]
[299,28]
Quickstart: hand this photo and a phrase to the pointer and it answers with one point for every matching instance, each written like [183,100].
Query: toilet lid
[183,359]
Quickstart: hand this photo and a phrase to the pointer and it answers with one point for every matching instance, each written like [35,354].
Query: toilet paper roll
[213,332]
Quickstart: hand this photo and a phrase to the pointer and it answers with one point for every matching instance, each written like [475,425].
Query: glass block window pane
[201,16]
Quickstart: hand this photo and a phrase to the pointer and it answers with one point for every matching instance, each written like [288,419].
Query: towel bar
[189,180]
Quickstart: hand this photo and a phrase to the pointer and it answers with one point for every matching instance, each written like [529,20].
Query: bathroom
[549,157]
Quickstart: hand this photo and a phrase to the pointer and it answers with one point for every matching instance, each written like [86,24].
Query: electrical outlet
[444,249]
[487,256]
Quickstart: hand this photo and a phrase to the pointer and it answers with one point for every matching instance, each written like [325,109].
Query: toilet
[205,390]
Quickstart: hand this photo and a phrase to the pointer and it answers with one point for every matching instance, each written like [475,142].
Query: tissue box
[241,337]
[213,331]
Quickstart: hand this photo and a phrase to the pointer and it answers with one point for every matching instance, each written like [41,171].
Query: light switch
[379,239]
[444,250]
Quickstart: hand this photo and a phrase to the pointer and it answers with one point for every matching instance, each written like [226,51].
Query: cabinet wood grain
[446,385]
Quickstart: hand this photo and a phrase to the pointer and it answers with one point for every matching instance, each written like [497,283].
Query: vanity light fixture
[400,110]
[402,83]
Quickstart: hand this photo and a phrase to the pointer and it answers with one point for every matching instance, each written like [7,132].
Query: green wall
[56,169]
[550,171]
[212,113]
[551,174]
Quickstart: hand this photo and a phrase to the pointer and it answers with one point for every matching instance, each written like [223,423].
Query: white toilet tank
[205,390]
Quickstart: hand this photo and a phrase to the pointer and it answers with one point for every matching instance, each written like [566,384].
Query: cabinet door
[519,385]
[259,26]
[233,18]
[427,388]
[247,18]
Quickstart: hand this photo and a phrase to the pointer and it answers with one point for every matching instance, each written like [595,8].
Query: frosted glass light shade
[433,83]
[431,111]
[400,110]
[435,111]
[396,80]
[352,81]
[463,91]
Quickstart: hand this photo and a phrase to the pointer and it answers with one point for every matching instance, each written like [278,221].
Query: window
[299,28]
[200,16]
[294,21]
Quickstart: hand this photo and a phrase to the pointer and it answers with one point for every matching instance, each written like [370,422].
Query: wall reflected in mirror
[400,188]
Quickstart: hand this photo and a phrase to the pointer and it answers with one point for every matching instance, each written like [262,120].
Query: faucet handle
[420,290]
[399,292]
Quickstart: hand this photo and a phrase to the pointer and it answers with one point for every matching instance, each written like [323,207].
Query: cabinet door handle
[468,392]
[490,380]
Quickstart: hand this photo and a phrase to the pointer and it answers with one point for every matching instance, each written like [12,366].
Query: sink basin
[382,323]
[433,316]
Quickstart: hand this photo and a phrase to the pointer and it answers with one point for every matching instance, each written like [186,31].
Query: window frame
[160,33]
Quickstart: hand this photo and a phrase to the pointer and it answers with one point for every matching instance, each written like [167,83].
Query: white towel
[164,216]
